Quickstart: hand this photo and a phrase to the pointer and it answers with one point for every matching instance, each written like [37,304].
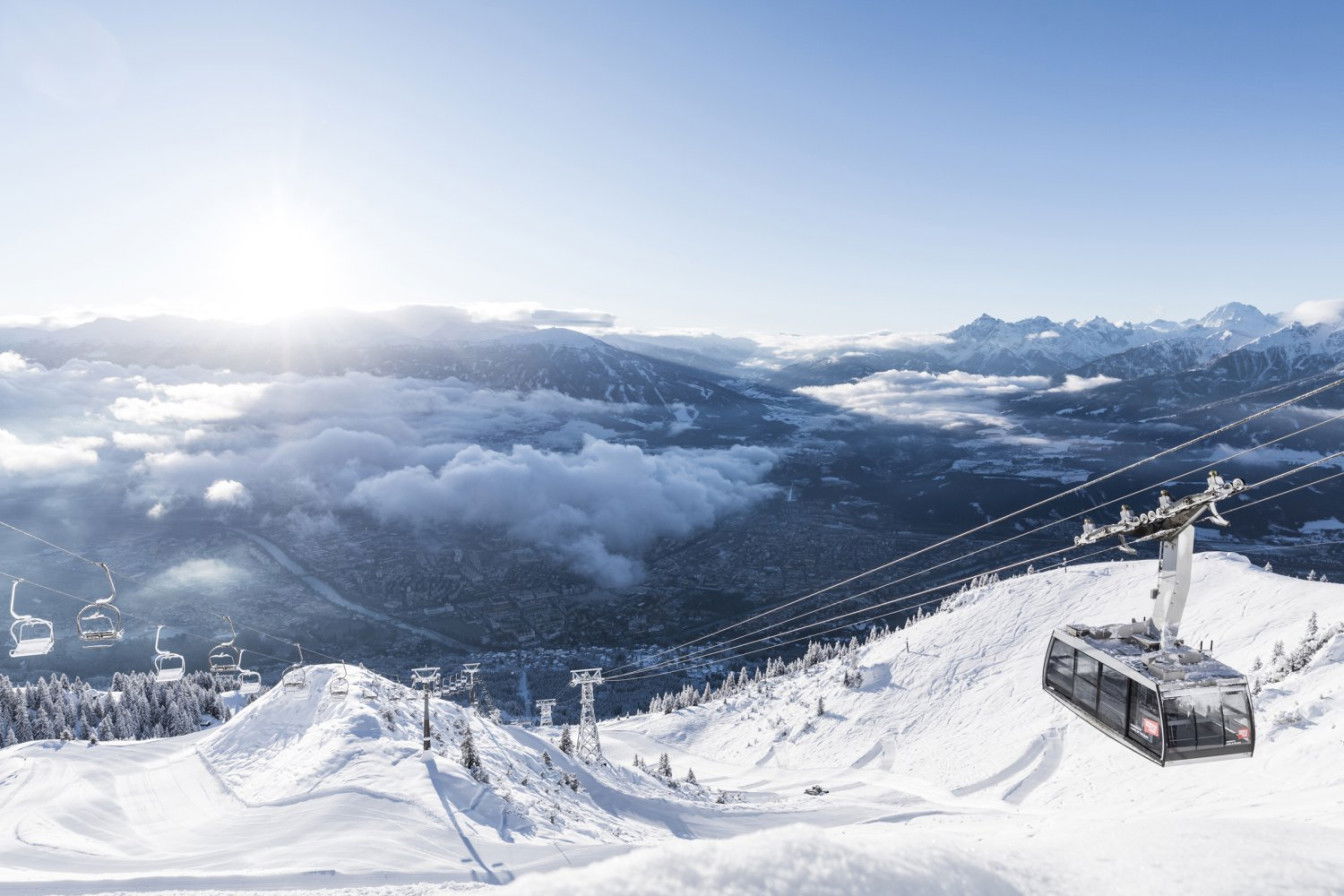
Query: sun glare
[277,262]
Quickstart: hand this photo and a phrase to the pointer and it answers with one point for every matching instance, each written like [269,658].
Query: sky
[737,167]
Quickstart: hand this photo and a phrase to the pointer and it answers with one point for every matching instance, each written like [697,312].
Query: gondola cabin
[1197,710]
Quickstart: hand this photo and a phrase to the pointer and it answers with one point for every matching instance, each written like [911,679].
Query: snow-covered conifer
[470,759]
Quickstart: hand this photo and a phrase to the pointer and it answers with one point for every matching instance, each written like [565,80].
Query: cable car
[168,666]
[249,682]
[99,623]
[33,636]
[295,678]
[225,658]
[1137,682]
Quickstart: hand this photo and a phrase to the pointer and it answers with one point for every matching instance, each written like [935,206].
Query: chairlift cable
[1069,491]
[730,646]
[1286,491]
[860,611]
[846,625]
[738,638]
[205,638]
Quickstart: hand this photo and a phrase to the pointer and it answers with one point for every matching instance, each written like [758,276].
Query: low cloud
[1324,311]
[208,576]
[1074,383]
[20,457]
[955,400]
[783,348]
[228,493]
[295,449]
[11,362]
[188,403]
[599,509]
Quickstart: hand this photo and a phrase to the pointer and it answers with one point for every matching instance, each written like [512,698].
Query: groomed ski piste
[948,770]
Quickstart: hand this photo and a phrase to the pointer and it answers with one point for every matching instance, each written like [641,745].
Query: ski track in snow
[947,770]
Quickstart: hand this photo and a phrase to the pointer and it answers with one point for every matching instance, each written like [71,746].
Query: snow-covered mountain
[427,343]
[946,768]
[1044,347]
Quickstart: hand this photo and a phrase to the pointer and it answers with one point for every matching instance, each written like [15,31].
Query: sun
[277,261]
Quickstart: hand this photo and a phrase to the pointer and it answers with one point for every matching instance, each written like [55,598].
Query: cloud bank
[951,401]
[599,509]
[303,451]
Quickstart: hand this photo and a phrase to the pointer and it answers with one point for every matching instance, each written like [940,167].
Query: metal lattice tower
[426,678]
[471,669]
[587,747]
[544,708]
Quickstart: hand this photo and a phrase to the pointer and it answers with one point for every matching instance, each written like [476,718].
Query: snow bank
[797,860]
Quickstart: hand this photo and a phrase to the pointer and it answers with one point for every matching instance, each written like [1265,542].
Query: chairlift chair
[168,666]
[225,658]
[1137,682]
[340,684]
[99,623]
[33,636]
[295,678]
[249,682]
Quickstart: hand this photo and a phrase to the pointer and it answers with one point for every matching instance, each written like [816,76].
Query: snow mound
[304,782]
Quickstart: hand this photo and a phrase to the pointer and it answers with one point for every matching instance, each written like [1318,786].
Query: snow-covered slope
[948,770]
[306,783]
[955,701]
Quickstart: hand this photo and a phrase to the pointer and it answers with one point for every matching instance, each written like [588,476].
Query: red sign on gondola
[1151,728]
[1243,734]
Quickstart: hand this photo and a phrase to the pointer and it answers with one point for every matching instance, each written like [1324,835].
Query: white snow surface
[948,771]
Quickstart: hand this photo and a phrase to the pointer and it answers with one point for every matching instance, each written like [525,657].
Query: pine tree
[665,766]
[1269,567]
[469,757]
[690,776]
[566,741]
[821,706]
[546,760]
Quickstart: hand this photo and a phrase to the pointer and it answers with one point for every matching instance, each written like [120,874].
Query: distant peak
[1239,317]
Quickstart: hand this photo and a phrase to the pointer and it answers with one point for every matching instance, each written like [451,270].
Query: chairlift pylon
[99,623]
[168,666]
[249,682]
[1137,682]
[226,658]
[33,635]
[295,678]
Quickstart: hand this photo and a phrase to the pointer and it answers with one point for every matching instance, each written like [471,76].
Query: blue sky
[802,167]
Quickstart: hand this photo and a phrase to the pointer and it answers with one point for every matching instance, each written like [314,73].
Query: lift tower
[426,678]
[544,708]
[1171,524]
[471,669]
[588,748]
